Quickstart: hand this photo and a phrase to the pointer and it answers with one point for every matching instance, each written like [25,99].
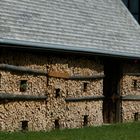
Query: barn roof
[89,26]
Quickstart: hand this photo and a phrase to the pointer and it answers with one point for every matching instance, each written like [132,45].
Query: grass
[129,131]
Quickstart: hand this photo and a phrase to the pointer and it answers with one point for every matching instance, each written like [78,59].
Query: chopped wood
[20,69]
[57,74]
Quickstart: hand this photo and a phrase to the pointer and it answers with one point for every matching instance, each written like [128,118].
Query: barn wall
[130,108]
[41,115]
[13,113]
[71,114]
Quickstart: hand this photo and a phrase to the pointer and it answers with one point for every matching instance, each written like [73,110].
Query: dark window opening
[85,123]
[57,93]
[23,85]
[56,123]
[135,84]
[85,85]
[0,126]
[0,80]
[136,116]
[24,125]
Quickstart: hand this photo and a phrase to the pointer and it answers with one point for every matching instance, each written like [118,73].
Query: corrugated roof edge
[64,48]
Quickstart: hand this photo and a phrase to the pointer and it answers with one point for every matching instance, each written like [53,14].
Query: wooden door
[111,91]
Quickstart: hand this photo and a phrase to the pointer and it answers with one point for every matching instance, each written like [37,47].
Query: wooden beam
[14,97]
[132,74]
[66,76]
[92,77]
[87,98]
[131,98]
[56,74]
[22,69]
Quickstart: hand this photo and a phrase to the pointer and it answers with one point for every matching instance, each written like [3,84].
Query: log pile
[130,92]
[55,77]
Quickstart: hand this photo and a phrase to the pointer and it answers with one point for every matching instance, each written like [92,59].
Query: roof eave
[28,45]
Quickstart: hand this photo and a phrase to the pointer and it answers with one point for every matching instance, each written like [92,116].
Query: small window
[85,85]
[85,122]
[1,126]
[136,116]
[56,123]
[23,85]
[57,92]
[135,84]
[24,125]
[0,80]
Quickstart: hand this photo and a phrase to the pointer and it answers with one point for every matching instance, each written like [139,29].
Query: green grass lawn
[129,131]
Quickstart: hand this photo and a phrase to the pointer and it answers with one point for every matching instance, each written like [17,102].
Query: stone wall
[45,115]
[130,108]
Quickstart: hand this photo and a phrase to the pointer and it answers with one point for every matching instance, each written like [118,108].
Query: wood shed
[67,64]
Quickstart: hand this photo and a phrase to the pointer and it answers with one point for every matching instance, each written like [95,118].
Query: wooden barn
[67,64]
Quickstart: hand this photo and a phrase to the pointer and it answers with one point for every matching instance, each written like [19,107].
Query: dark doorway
[111,91]
[85,123]
[24,125]
[56,123]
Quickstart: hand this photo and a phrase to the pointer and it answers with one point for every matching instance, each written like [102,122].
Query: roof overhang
[28,45]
